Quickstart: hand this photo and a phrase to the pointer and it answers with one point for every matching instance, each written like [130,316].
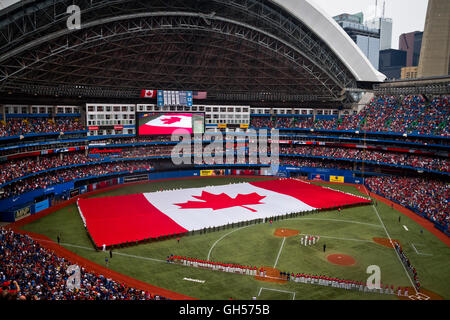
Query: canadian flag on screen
[148,93]
[167,124]
[125,218]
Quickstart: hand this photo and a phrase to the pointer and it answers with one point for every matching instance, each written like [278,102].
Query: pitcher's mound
[341,259]
[285,233]
[386,242]
[272,275]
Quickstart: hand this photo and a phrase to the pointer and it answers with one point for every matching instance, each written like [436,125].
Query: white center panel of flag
[175,204]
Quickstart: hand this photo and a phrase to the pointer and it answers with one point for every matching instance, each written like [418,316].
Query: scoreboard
[174,98]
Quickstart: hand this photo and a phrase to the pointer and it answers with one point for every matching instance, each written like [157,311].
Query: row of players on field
[300,278]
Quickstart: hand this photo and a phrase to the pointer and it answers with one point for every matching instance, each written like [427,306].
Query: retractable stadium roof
[280,49]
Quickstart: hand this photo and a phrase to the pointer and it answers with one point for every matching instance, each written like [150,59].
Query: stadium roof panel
[6,3]
[335,37]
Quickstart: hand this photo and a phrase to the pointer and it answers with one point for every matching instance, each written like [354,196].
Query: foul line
[279,252]
[139,257]
[396,253]
[277,290]
[217,241]
[115,252]
[419,253]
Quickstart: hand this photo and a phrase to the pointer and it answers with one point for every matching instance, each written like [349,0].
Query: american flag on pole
[200,95]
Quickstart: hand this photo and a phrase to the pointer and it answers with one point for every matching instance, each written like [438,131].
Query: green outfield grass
[349,232]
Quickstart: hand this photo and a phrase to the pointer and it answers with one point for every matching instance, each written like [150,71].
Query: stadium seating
[381,157]
[425,196]
[18,168]
[32,272]
[64,175]
[388,114]
[15,127]
[410,115]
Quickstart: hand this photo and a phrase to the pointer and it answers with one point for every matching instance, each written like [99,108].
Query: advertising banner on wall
[317,177]
[135,178]
[205,173]
[22,213]
[265,172]
[282,174]
[74,192]
[338,179]
[39,206]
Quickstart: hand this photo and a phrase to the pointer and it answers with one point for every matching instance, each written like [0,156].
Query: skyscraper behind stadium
[435,53]
[411,43]
[366,38]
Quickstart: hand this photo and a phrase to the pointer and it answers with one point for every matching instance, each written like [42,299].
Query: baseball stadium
[219,150]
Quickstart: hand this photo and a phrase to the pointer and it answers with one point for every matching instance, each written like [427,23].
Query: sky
[407,15]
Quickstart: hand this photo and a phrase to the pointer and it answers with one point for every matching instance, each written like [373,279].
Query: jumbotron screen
[159,123]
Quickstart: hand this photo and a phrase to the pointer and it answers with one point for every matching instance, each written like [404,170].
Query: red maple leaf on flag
[222,201]
[171,120]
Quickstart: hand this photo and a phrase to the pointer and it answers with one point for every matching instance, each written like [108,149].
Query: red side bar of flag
[127,218]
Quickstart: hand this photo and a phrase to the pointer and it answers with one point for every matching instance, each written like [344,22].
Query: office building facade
[411,43]
[366,38]
[391,63]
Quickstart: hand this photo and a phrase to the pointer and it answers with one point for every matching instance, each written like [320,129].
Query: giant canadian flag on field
[167,124]
[129,218]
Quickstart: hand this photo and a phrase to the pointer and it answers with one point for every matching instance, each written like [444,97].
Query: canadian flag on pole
[148,93]
[119,219]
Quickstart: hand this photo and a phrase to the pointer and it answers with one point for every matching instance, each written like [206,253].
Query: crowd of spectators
[130,140]
[417,116]
[65,175]
[392,140]
[133,152]
[14,169]
[26,148]
[409,114]
[18,168]
[96,169]
[30,272]
[15,127]
[406,159]
[428,197]
[315,163]
[305,123]
[380,157]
